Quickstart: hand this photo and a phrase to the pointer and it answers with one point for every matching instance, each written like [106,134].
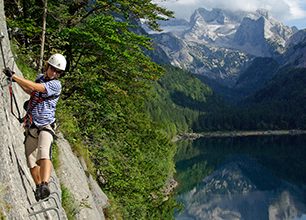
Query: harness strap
[51,131]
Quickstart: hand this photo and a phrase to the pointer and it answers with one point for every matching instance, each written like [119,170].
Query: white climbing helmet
[58,61]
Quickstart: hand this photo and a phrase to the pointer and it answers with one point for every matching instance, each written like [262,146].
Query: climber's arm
[27,85]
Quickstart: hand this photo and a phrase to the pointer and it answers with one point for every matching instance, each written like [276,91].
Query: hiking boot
[37,192]
[44,190]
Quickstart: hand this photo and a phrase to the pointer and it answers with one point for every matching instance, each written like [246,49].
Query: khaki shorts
[38,144]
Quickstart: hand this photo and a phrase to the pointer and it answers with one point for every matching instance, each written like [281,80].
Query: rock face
[296,50]
[16,184]
[90,200]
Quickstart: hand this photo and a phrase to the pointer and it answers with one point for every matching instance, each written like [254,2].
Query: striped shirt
[43,113]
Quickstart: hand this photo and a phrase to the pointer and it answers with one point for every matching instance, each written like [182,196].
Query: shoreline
[194,136]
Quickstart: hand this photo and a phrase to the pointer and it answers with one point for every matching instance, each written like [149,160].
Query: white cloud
[280,9]
[296,9]
[188,2]
[178,2]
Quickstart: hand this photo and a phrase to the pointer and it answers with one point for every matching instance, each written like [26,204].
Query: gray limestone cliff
[16,185]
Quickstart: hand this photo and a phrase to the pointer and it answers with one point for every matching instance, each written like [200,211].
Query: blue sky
[290,12]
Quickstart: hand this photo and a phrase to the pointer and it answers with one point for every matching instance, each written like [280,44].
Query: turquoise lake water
[242,178]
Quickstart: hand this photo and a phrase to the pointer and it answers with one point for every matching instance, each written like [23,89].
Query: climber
[40,120]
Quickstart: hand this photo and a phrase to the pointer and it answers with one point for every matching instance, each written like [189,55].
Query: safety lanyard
[12,95]
[13,100]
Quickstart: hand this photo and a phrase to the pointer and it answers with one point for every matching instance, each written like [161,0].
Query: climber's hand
[8,72]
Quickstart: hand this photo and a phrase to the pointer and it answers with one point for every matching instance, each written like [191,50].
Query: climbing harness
[10,82]
[30,105]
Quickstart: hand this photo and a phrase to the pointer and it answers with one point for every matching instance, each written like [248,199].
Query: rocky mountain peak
[215,15]
[263,12]
[212,27]
[218,16]
[220,44]
[228,28]
[250,31]
[263,36]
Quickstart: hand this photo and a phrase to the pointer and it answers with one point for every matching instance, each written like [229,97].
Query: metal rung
[52,179]
[46,199]
[53,196]
[51,182]
[45,210]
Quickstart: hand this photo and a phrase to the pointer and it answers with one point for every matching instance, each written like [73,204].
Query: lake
[255,177]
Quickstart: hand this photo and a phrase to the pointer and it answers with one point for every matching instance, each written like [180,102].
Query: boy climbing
[40,120]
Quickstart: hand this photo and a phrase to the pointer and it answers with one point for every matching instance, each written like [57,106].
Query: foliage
[24,19]
[69,203]
[55,156]
[23,61]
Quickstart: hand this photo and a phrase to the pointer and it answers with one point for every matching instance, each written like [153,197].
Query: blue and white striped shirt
[43,113]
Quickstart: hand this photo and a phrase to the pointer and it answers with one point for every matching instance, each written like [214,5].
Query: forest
[194,107]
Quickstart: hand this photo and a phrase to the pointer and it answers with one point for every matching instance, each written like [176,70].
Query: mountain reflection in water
[242,178]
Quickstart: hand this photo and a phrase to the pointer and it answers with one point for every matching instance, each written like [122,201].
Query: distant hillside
[256,75]
[285,94]
[280,104]
[180,99]
[183,103]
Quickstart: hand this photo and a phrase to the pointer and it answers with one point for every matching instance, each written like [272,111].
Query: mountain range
[224,48]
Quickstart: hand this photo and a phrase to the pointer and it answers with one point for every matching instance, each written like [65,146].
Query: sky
[290,12]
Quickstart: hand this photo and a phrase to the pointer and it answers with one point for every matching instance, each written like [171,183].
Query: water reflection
[242,178]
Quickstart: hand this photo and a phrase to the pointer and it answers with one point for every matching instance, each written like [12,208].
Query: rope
[10,82]
[13,99]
